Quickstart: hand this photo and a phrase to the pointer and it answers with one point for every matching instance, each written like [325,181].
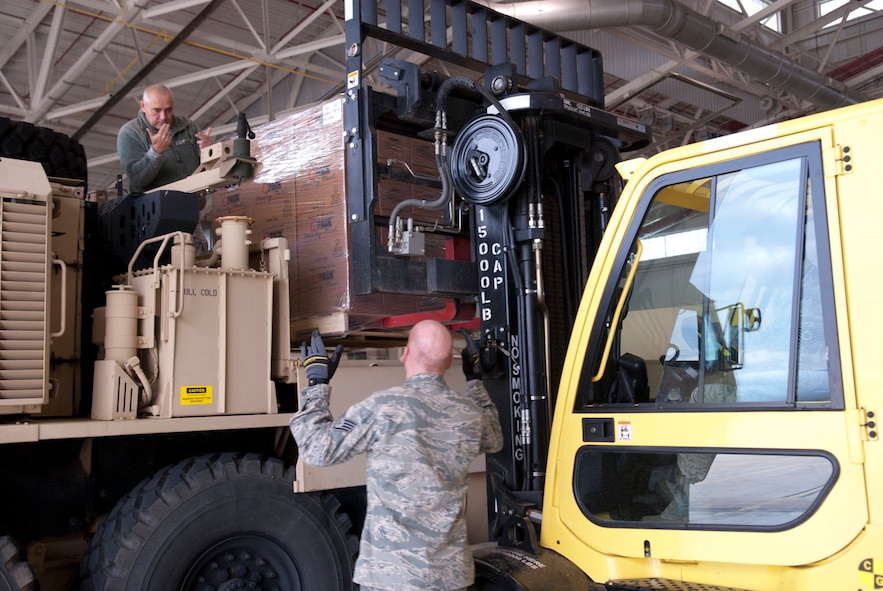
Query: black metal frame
[551,90]
[480,39]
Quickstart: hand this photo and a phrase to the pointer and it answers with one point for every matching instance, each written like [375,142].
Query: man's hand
[318,366]
[204,138]
[162,139]
[470,358]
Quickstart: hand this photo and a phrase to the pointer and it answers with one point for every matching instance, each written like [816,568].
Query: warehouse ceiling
[78,66]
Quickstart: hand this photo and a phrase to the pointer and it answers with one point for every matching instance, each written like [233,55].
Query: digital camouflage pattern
[419,439]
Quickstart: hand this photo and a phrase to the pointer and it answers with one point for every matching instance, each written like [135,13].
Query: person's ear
[404,354]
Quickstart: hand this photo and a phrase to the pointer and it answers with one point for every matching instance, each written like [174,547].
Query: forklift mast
[526,151]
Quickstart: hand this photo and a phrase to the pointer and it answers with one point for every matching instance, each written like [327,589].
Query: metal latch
[598,429]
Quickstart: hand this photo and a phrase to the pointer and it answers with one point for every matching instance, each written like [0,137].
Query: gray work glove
[319,367]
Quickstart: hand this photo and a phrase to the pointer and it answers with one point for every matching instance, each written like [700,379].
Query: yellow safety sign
[196,395]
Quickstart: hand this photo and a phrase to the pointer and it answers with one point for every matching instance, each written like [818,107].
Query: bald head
[158,105]
[155,90]
[429,349]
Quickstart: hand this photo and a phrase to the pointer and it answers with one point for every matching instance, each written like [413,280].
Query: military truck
[75,400]
[674,345]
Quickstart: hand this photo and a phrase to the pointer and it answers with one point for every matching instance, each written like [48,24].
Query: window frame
[813,507]
[810,154]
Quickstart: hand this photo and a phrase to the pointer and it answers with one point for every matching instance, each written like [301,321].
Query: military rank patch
[344,425]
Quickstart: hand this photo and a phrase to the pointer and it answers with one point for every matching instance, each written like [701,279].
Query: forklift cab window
[720,299]
[723,303]
[664,489]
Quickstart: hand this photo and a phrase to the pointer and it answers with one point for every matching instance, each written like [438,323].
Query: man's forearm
[310,425]
[492,432]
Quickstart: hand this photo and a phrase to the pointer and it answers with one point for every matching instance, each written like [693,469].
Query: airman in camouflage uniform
[419,438]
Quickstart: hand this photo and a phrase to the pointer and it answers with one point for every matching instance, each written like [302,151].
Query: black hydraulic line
[448,86]
[570,213]
[148,68]
[570,269]
[519,252]
[441,160]
[532,334]
[533,369]
[459,81]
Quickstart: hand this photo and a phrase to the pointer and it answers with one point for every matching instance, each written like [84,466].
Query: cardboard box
[300,194]
[391,146]
[417,153]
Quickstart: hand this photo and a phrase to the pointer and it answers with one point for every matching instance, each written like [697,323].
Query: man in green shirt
[159,147]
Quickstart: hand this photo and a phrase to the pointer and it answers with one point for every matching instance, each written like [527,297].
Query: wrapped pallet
[300,194]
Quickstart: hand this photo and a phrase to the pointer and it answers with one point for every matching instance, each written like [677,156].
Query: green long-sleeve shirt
[145,168]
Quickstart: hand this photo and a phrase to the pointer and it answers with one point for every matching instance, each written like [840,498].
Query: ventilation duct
[691,29]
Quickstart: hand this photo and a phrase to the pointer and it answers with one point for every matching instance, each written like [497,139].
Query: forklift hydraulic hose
[395,227]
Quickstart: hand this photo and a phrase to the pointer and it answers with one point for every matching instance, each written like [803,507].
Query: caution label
[867,572]
[352,79]
[196,395]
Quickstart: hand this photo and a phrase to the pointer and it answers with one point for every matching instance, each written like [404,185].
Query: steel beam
[148,68]
[72,75]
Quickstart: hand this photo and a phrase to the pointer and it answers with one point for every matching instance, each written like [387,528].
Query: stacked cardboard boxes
[300,194]
[396,151]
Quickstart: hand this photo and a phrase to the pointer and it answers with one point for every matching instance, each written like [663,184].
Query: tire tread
[60,155]
[124,532]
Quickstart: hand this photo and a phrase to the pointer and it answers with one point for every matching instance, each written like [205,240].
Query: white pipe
[675,21]
[134,365]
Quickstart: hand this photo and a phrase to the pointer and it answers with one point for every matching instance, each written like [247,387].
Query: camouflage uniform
[420,439]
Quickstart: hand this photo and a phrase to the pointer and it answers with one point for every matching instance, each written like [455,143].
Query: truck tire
[15,574]
[224,521]
[513,569]
[60,155]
